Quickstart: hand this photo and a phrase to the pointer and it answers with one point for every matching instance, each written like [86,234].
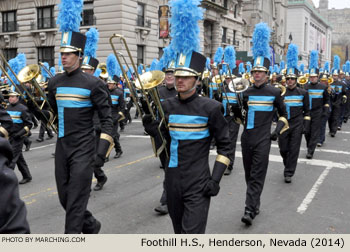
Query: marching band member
[74,95]
[338,99]
[192,122]
[259,102]
[297,105]
[319,105]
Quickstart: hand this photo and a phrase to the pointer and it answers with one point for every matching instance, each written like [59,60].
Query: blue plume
[148,69]
[185,15]
[129,75]
[218,55]
[307,71]
[301,68]
[321,70]
[53,71]
[154,64]
[91,42]
[241,68]
[276,69]
[249,66]
[169,55]
[261,40]
[270,69]
[69,16]
[292,56]
[313,59]
[282,65]
[44,73]
[140,68]
[347,64]
[326,66]
[336,63]
[0,72]
[111,64]
[224,68]
[207,64]
[344,68]
[16,64]
[98,72]
[230,57]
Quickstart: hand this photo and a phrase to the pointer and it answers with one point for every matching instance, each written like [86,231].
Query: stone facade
[272,12]
[110,17]
[339,19]
[309,30]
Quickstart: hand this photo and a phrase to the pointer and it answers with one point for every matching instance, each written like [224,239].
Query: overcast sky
[337,4]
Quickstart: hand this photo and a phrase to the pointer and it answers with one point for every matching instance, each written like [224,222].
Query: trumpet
[141,83]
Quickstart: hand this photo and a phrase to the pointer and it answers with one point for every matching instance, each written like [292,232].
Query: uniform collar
[261,86]
[78,70]
[189,99]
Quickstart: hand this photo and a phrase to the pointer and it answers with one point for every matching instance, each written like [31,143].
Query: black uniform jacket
[12,209]
[118,106]
[318,96]
[297,103]
[259,103]
[5,123]
[74,97]
[192,125]
[22,122]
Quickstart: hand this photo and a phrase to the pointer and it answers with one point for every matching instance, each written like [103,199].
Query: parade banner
[163,21]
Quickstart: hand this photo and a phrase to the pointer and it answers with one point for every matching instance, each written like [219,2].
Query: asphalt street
[315,202]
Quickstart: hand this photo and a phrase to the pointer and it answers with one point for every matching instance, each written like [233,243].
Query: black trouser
[98,172]
[116,136]
[73,171]
[17,145]
[188,210]
[315,127]
[42,130]
[333,120]
[347,106]
[163,160]
[233,134]
[255,154]
[289,143]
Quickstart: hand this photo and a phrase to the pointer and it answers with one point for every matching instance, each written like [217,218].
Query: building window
[225,4]
[160,52]
[140,54]
[234,37]
[235,11]
[87,15]
[47,54]
[46,17]
[10,53]
[140,14]
[9,22]
[224,33]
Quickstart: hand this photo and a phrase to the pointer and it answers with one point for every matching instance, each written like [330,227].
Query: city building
[29,26]
[308,29]
[271,12]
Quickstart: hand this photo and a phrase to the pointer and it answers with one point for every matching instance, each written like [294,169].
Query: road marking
[310,196]
[51,192]
[43,146]
[136,136]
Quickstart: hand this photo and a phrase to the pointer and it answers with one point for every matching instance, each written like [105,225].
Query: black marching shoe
[118,154]
[40,140]
[162,209]
[100,184]
[332,134]
[309,156]
[49,137]
[288,179]
[25,181]
[247,218]
[28,146]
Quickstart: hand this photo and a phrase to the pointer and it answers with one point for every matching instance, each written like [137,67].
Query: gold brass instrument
[31,74]
[45,69]
[281,87]
[104,73]
[143,91]
[302,80]
[205,81]
[5,88]
[330,80]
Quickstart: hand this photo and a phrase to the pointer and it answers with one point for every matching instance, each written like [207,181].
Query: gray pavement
[315,202]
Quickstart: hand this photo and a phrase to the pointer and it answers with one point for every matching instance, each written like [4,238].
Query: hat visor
[291,76]
[87,67]
[68,49]
[183,71]
[259,69]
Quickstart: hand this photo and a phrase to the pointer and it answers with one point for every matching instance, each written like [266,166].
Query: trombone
[141,83]
[30,72]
